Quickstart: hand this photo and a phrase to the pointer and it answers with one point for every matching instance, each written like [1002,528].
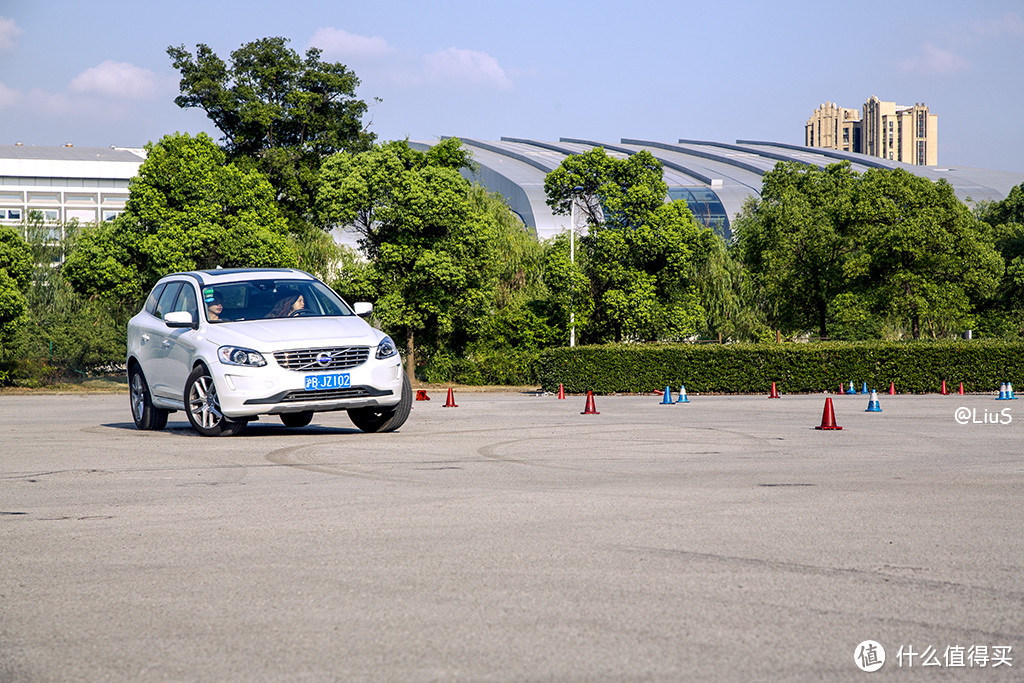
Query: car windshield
[262,299]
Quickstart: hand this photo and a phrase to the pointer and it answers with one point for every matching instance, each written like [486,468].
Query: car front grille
[337,358]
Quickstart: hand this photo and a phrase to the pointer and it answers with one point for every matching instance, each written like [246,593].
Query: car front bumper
[271,390]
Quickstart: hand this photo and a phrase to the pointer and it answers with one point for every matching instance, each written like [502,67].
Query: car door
[141,328]
[155,360]
[181,343]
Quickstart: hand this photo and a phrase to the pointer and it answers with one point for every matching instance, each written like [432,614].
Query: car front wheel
[203,407]
[145,414]
[384,419]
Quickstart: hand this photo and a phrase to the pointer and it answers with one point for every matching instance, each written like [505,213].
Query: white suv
[227,346]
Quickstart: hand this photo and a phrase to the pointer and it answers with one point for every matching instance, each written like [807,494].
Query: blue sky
[97,73]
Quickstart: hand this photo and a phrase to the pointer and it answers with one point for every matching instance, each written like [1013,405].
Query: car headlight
[386,348]
[235,355]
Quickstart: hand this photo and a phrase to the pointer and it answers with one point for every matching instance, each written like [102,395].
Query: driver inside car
[287,307]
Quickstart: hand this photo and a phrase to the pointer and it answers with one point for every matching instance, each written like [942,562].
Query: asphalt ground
[515,539]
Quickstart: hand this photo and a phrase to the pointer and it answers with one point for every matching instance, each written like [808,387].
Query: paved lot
[514,539]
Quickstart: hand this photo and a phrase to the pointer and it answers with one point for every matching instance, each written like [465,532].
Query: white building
[89,184]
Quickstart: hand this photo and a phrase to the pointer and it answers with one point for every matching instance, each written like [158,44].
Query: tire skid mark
[490,451]
[871,574]
[287,457]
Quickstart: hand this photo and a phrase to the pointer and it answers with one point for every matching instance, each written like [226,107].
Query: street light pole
[572,260]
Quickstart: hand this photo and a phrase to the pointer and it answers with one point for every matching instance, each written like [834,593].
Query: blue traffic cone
[873,406]
[864,388]
[683,398]
[1003,396]
[666,399]
[851,390]
[1009,391]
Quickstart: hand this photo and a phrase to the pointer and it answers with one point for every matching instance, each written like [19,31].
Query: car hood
[291,333]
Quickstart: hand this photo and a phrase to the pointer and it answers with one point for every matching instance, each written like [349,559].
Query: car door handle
[167,343]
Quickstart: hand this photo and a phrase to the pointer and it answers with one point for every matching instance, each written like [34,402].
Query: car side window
[154,297]
[166,302]
[187,301]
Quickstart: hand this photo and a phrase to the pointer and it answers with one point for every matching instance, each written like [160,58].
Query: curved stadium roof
[714,178]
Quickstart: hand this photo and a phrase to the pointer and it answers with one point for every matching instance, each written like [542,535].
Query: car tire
[146,415]
[203,408]
[297,419]
[384,419]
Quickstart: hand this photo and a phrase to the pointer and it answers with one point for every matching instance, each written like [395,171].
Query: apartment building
[886,130]
[834,127]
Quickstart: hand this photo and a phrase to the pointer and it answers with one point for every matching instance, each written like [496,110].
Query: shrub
[796,368]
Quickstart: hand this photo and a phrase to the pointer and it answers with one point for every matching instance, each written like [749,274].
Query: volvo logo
[323,358]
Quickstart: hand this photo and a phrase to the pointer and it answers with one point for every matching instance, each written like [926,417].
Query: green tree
[638,256]
[15,271]
[570,291]
[64,333]
[187,210]
[1007,308]
[1006,211]
[724,290]
[15,256]
[518,321]
[280,112]
[430,248]
[613,192]
[369,191]
[642,277]
[795,242]
[923,256]
[1003,314]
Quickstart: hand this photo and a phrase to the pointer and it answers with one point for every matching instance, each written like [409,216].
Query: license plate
[339,381]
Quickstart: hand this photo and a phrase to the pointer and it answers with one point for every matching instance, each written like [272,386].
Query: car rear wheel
[296,419]
[203,407]
[384,419]
[145,414]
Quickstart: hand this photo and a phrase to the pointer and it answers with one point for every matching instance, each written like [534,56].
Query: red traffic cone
[892,388]
[961,389]
[561,391]
[590,409]
[828,417]
[451,399]
[841,390]
[944,391]
[774,393]
[421,395]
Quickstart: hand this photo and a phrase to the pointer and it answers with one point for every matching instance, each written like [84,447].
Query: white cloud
[451,67]
[9,30]
[54,104]
[8,96]
[934,60]
[119,80]
[469,67]
[1010,24]
[338,44]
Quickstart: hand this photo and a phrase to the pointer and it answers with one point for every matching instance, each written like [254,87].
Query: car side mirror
[363,308]
[179,319]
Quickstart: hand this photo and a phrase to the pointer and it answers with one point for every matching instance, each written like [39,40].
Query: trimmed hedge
[508,367]
[916,367]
